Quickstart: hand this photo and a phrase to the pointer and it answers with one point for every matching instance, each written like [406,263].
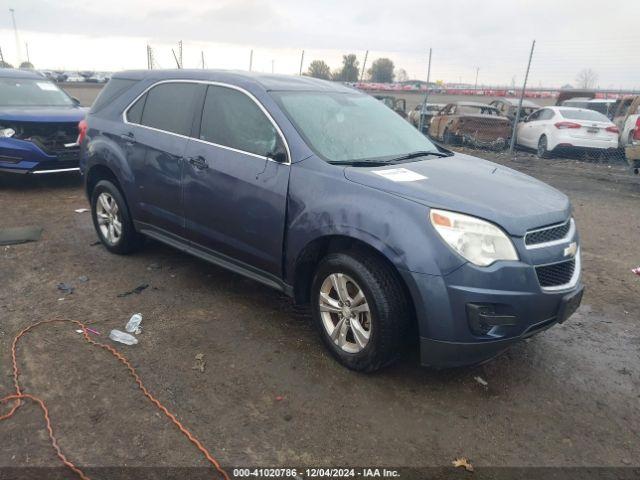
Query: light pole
[477,72]
[15,32]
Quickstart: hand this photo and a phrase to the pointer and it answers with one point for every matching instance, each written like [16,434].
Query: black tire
[129,240]
[542,151]
[390,312]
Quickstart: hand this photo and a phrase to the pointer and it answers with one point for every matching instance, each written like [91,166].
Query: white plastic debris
[81,210]
[481,381]
[122,337]
[133,325]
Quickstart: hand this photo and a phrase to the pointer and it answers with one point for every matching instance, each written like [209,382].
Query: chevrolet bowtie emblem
[571,250]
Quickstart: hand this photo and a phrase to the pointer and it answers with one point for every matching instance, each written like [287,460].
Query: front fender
[322,202]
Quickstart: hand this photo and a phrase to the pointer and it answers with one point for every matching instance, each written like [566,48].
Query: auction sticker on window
[46,86]
[400,175]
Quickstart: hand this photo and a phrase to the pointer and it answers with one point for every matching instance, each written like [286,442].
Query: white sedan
[552,128]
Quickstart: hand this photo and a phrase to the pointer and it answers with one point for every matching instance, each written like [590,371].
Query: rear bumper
[568,141]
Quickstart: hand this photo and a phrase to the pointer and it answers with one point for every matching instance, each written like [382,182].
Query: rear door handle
[199,162]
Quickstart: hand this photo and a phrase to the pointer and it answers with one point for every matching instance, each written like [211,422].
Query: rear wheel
[543,151]
[111,219]
[360,310]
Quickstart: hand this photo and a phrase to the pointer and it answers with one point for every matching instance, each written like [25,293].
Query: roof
[473,104]
[15,73]
[271,82]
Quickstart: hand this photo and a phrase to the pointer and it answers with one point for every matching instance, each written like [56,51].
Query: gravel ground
[269,394]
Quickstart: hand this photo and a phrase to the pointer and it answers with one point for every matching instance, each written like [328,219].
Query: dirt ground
[269,393]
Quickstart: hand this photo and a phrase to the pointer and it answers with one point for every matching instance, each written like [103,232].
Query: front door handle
[199,162]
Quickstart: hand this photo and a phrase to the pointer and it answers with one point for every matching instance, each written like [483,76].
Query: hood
[42,114]
[470,185]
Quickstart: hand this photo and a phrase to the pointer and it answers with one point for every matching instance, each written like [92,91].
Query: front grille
[48,136]
[556,232]
[556,274]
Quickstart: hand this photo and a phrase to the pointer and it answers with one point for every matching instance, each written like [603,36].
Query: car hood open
[42,114]
[470,185]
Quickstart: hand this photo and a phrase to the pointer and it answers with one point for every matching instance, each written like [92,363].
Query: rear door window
[169,107]
[231,119]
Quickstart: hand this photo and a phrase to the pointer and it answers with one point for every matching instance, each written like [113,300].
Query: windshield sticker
[400,175]
[47,86]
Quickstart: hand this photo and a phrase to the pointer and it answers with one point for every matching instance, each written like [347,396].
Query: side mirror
[75,101]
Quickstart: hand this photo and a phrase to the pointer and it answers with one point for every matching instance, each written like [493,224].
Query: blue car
[324,193]
[38,125]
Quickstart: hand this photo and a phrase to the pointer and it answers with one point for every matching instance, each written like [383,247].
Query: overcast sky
[492,35]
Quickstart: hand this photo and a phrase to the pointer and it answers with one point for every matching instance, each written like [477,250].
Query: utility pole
[202,58]
[15,32]
[250,60]
[180,54]
[426,95]
[1,57]
[272,65]
[301,62]
[175,57]
[26,46]
[524,86]
[476,85]
[364,65]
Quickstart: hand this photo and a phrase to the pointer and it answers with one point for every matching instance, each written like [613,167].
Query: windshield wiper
[362,163]
[411,155]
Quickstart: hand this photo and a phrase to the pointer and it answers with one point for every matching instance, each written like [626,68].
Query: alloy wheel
[109,218]
[345,312]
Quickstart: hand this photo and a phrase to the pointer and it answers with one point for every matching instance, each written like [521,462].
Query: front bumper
[508,294]
[23,157]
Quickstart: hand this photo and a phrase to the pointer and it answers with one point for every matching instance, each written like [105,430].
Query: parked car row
[75,77]
[578,123]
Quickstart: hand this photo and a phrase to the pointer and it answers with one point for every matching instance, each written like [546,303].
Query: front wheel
[360,310]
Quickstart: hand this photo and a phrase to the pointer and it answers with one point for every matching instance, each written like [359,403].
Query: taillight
[82,131]
[563,125]
[612,129]
[636,132]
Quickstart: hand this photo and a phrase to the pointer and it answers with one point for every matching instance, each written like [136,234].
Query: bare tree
[586,78]
[401,75]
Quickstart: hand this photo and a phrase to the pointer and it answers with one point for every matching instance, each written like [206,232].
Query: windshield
[31,92]
[348,127]
[591,115]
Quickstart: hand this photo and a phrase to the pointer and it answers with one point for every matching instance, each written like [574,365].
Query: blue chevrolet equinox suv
[326,194]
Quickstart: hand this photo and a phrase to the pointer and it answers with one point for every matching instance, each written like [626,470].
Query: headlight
[7,132]
[480,242]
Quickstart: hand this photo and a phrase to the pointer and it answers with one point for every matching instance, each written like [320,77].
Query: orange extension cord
[19,395]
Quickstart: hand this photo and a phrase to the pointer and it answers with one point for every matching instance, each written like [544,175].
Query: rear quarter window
[112,90]
[169,107]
